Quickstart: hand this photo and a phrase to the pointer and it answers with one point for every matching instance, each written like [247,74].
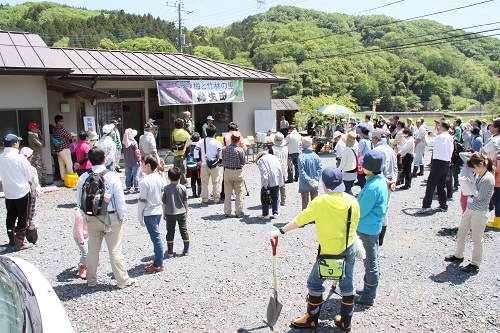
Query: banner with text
[183,92]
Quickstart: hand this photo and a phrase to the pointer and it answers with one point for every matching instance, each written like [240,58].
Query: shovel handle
[274,244]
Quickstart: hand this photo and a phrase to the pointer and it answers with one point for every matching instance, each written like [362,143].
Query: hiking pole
[246,188]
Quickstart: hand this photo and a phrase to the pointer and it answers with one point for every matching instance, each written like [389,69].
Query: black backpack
[92,199]
[457,149]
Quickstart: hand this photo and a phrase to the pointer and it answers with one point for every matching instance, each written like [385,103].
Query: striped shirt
[233,157]
[484,186]
[61,134]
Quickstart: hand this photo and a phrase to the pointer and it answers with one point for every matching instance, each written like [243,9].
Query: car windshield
[11,302]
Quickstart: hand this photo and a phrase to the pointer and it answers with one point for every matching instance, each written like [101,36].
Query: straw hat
[351,139]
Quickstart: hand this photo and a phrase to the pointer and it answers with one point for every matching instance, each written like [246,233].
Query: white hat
[106,129]
[336,134]
[210,118]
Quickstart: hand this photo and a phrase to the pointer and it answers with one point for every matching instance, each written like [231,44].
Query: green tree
[107,44]
[435,103]
[209,52]
[63,42]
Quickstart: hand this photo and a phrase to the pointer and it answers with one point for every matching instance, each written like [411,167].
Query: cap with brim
[106,129]
[259,155]
[351,139]
[210,118]
[11,138]
[372,161]
[235,136]
[33,125]
[94,136]
[26,151]
[332,178]
[306,143]
[73,134]
[114,121]
[377,134]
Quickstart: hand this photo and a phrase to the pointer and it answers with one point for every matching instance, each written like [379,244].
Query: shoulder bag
[332,267]
[212,162]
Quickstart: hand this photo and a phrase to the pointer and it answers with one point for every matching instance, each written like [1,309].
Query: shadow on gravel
[447,232]
[68,275]
[253,329]
[68,205]
[452,274]
[413,212]
[255,208]
[138,271]
[216,217]
[253,220]
[68,292]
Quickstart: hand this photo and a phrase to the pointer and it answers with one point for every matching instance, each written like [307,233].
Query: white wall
[257,97]
[26,92]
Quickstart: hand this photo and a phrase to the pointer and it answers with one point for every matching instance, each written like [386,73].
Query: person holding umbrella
[330,211]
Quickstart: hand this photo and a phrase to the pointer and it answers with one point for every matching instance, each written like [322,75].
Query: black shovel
[274,306]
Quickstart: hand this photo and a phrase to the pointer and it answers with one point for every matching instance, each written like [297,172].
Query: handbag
[332,267]
[265,197]
[212,162]
[360,168]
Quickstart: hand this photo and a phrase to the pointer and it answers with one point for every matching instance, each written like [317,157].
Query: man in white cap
[108,145]
[410,126]
[16,174]
[210,121]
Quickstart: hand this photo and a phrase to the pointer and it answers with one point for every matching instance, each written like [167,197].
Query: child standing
[36,192]
[175,210]
[475,217]
[149,208]
[191,162]
[81,237]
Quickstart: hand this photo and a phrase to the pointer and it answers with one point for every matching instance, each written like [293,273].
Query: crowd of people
[376,155]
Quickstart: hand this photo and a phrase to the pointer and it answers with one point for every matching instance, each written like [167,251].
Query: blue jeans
[129,173]
[372,266]
[275,191]
[295,161]
[315,284]
[153,225]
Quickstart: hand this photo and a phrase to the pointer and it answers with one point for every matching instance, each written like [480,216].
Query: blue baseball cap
[332,178]
[11,138]
[372,161]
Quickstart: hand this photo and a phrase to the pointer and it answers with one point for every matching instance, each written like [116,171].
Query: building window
[16,121]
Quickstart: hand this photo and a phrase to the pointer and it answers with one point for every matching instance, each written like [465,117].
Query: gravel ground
[226,282]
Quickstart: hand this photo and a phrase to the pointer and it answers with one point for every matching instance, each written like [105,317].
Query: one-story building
[38,82]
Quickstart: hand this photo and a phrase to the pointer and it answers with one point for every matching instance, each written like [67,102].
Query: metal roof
[64,87]
[21,52]
[284,104]
[154,65]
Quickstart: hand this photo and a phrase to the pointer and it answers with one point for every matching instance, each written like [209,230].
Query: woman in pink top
[81,237]
[82,163]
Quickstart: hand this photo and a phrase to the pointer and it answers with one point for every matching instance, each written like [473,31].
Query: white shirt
[339,148]
[113,186]
[369,126]
[147,143]
[293,141]
[109,146]
[390,165]
[408,147]
[398,139]
[491,147]
[420,134]
[443,146]
[16,174]
[348,163]
[214,149]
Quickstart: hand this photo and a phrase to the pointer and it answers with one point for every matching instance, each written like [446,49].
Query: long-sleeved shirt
[35,142]
[373,205]
[281,152]
[108,145]
[147,143]
[16,174]
[443,146]
[310,168]
[233,157]
[408,147]
[390,164]
[113,187]
[365,146]
[339,148]
[270,171]
[476,143]
[293,142]
[484,186]
[61,134]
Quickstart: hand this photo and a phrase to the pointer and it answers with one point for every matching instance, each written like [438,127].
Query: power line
[377,26]
[386,5]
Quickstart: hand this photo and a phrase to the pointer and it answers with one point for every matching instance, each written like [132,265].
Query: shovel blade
[273,311]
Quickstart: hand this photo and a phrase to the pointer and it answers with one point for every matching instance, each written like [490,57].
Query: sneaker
[470,268]
[130,282]
[185,253]
[455,188]
[154,268]
[136,190]
[441,209]
[267,217]
[404,187]
[240,214]
[168,255]
[275,216]
[126,191]
[227,215]
[91,285]
[282,204]
[424,210]
[452,258]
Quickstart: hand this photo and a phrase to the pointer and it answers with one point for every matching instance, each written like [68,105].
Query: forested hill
[402,65]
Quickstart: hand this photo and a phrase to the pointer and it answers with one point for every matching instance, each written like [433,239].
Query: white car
[27,301]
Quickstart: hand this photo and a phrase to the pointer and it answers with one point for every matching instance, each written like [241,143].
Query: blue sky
[213,13]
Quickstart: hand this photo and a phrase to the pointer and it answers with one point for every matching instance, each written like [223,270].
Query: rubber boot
[421,173]
[20,243]
[82,271]
[343,321]
[310,319]
[186,248]
[12,237]
[495,223]
[382,235]
[170,249]
[414,173]
[368,295]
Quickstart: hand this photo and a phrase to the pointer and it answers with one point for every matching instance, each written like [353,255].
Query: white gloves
[274,234]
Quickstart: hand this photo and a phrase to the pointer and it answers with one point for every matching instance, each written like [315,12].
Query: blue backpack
[191,162]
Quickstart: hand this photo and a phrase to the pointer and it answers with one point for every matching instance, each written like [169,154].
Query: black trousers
[407,162]
[437,178]
[17,209]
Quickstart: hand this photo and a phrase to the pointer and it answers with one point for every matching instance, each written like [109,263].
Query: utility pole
[261,7]
[181,38]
